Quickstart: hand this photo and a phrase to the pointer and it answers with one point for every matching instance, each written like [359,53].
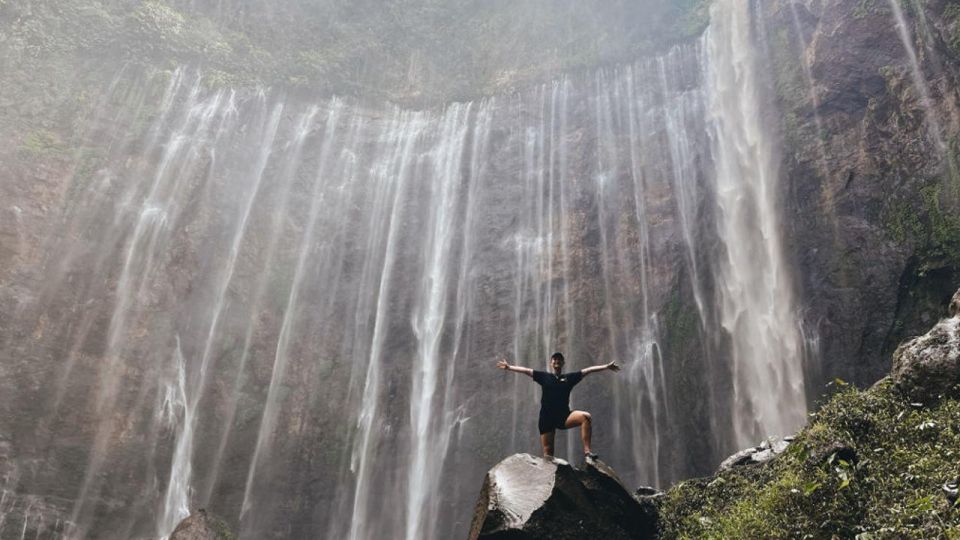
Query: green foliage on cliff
[930,222]
[870,7]
[943,226]
[404,50]
[889,487]
[951,16]
[41,144]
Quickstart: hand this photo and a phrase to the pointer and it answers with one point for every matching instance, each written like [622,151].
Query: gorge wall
[287,308]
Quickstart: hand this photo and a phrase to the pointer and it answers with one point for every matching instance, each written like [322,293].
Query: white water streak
[397,173]
[918,78]
[753,286]
[281,358]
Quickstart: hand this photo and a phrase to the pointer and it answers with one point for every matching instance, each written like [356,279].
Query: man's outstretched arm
[502,364]
[612,366]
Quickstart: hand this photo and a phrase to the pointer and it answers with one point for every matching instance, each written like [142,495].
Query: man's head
[556,362]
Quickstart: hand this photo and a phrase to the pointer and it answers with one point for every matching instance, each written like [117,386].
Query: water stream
[754,288]
[917,76]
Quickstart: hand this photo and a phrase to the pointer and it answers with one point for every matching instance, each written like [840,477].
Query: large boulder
[528,497]
[202,525]
[928,367]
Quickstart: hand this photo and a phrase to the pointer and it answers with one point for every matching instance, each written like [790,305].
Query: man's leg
[585,421]
[546,439]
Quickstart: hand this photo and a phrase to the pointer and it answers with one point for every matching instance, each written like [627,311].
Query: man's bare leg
[546,439]
[585,421]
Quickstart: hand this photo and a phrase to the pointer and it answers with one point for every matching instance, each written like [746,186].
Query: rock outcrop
[528,497]
[928,366]
[202,525]
[767,450]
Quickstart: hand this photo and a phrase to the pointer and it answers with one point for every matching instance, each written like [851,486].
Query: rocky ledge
[927,368]
[528,497]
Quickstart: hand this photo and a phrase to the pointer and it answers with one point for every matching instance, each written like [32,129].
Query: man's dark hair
[558,356]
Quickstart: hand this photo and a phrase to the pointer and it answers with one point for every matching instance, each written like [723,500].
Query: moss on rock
[903,453]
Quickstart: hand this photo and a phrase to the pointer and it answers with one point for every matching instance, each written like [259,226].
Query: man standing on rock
[555,410]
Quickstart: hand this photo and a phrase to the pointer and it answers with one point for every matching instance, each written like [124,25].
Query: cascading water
[177,501]
[289,312]
[278,371]
[919,79]
[754,290]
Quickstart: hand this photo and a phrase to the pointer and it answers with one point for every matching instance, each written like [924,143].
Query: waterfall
[289,311]
[754,290]
[158,211]
[176,504]
[291,161]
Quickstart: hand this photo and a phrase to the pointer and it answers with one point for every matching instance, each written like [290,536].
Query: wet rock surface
[202,525]
[528,497]
[928,367]
[858,166]
[767,450]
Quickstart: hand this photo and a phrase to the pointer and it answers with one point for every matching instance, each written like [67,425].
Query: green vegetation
[866,8]
[403,50]
[951,15]
[59,56]
[902,222]
[943,226]
[932,227]
[869,466]
[221,529]
[681,321]
[42,144]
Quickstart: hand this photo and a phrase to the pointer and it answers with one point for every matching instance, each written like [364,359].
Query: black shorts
[552,420]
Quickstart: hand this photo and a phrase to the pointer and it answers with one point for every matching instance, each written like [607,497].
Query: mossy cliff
[870,169]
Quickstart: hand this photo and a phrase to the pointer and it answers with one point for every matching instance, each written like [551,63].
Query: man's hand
[502,364]
[612,366]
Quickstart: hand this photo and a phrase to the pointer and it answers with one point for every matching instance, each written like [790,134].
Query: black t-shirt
[556,390]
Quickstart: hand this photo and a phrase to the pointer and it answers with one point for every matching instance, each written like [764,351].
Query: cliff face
[419,53]
[870,157]
[207,292]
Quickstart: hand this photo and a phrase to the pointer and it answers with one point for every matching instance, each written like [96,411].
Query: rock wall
[871,164]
